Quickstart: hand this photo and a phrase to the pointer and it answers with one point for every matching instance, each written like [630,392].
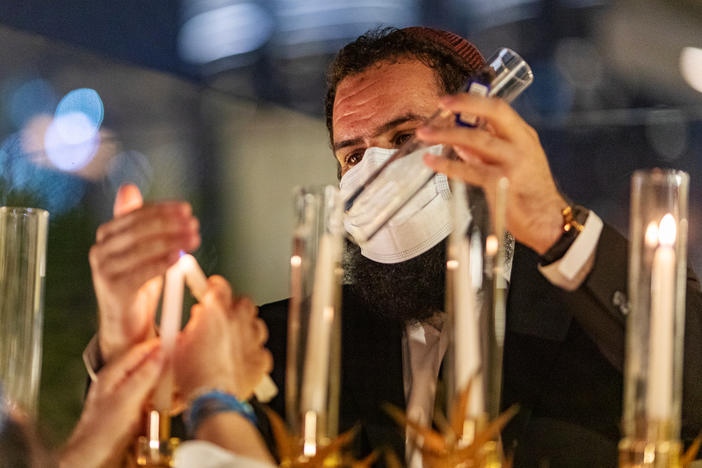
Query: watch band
[574,217]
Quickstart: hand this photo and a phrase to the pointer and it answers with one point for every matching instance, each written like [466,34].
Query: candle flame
[491,245]
[651,236]
[295,260]
[328,313]
[310,434]
[667,230]
[154,424]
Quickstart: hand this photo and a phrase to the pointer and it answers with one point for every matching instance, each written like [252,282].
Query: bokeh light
[73,137]
[79,115]
[224,31]
[691,67]
[68,156]
[30,99]
[58,192]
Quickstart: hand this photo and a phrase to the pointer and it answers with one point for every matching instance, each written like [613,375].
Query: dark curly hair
[392,45]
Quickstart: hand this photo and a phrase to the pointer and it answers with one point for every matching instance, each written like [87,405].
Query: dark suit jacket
[564,353]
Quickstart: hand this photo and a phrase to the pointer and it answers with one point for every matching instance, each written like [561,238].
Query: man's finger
[152,239]
[221,289]
[489,148]
[196,315]
[260,330]
[243,308]
[135,218]
[133,390]
[502,118]
[214,302]
[154,268]
[128,199]
[117,371]
[471,171]
[260,360]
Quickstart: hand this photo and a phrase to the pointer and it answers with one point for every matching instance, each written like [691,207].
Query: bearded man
[564,348]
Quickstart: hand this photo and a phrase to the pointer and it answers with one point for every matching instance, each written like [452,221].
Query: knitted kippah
[456,43]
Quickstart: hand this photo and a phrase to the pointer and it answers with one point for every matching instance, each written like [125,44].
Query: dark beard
[410,291]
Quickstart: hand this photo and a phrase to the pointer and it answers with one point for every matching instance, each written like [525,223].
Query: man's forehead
[368,100]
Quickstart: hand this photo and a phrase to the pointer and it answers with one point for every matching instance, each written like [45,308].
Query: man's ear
[128,199]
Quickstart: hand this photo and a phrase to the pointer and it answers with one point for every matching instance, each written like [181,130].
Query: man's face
[381,107]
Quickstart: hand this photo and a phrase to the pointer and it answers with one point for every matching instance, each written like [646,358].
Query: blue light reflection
[72,139]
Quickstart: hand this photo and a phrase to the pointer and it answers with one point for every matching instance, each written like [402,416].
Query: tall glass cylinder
[314,320]
[23,240]
[475,306]
[655,328]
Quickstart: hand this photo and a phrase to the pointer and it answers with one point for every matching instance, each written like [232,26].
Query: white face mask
[420,225]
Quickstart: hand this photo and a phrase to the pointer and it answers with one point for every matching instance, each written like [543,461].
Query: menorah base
[646,454]
[157,449]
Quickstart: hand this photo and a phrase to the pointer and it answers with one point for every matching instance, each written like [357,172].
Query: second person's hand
[222,345]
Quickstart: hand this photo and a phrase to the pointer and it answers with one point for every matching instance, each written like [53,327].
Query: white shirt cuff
[203,454]
[570,271]
[92,359]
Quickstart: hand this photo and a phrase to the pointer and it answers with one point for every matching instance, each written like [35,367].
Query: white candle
[316,367]
[171,314]
[467,278]
[194,276]
[660,368]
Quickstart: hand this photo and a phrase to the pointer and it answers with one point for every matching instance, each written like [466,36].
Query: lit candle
[171,314]
[660,367]
[467,278]
[316,367]
[291,377]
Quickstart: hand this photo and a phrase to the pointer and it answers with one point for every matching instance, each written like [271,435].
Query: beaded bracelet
[211,403]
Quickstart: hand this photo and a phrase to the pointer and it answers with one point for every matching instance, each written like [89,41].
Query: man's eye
[354,158]
[401,138]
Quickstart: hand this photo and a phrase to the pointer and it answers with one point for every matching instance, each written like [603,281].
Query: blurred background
[219,102]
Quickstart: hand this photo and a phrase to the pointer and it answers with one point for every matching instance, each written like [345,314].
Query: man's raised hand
[128,259]
[507,147]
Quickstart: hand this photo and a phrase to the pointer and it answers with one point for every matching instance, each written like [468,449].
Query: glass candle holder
[475,303]
[655,327]
[314,320]
[23,241]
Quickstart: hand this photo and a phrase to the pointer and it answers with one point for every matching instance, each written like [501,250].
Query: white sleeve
[92,359]
[203,454]
[570,271]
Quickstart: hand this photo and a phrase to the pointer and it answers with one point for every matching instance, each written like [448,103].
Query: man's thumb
[128,199]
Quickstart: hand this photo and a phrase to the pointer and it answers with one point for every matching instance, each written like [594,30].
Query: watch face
[580,216]
[574,218]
